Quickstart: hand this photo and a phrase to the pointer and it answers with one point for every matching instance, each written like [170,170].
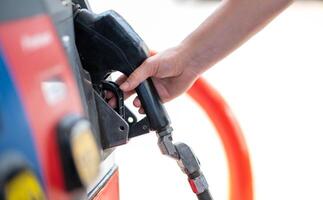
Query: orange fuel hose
[240,172]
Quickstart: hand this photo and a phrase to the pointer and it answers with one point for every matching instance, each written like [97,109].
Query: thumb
[143,72]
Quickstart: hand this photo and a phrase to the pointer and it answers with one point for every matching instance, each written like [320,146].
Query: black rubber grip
[155,111]
[206,195]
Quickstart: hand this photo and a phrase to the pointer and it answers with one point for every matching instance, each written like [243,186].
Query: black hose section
[206,195]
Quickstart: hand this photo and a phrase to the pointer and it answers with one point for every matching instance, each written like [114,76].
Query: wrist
[189,61]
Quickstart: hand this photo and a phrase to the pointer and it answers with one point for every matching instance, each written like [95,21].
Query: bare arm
[175,70]
[227,28]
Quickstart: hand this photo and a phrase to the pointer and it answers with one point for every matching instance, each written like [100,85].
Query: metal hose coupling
[187,161]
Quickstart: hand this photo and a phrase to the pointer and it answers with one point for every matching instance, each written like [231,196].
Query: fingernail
[112,103]
[108,95]
[124,85]
[137,103]
[141,111]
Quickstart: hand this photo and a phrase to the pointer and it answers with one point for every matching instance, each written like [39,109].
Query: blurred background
[274,85]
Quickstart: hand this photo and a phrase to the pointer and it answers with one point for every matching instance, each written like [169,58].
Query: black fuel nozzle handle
[107,43]
[154,109]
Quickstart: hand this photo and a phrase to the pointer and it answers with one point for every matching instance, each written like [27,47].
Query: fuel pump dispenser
[49,137]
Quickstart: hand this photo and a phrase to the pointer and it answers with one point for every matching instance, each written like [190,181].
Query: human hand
[170,73]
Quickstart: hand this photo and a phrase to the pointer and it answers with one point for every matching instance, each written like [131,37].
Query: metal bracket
[113,128]
[117,125]
[139,128]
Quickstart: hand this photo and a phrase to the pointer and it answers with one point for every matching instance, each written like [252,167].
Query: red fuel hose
[240,172]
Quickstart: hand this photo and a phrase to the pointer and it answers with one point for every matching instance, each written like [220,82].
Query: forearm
[226,29]
[175,70]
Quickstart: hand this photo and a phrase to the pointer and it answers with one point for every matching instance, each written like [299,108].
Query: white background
[274,85]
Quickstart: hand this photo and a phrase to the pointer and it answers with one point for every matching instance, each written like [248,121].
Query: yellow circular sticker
[85,152]
[24,186]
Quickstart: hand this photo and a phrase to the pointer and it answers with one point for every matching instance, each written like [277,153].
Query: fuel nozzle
[107,43]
